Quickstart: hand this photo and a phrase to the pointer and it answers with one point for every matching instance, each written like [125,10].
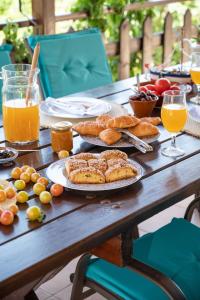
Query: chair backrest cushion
[4,60]
[72,62]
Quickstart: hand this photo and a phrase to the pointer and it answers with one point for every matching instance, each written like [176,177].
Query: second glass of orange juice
[195,75]
[174,117]
[20,112]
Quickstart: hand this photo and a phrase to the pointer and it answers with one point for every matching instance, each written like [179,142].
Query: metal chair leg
[195,204]
[79,278]
[135,233]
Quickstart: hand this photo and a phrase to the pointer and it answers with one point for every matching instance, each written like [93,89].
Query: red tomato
[155,93]
[1,210]
[143,89]
[151,87]
[162,84]
[7,217]
[56,190]
[175,88]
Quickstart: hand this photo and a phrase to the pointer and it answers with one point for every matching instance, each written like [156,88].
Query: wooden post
[168,39]
[147,47]
[44,12]
[187,33]
[124,68]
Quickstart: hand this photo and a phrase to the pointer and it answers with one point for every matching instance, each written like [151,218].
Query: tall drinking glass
[174,117]
[20,117]
[195,75]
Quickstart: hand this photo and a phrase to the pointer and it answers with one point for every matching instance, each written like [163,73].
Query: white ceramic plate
[57,174]
[122,143]
[48,108]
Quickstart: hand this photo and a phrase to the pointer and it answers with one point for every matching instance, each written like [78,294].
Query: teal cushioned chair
[174,250]
[71,62]
[4,60]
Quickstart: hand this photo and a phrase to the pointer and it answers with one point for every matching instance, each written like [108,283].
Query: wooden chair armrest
[118,251]
[164,282]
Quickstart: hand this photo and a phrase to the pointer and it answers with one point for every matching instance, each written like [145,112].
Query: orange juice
[174,117]
[195,74]
[21,122]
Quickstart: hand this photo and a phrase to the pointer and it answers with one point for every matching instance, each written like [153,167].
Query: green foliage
[11,32]
[4,6]
[110,25]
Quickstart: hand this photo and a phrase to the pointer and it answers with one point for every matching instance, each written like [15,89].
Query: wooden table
[74,223]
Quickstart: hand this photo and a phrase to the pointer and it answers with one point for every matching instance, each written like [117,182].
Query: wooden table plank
[65,232]
[152,162]
[138,203]
[60,206]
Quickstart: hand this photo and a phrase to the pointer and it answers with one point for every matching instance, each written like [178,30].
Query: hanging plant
[11,36]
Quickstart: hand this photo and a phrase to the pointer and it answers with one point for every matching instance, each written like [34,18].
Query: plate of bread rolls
[90,172]
[105,130]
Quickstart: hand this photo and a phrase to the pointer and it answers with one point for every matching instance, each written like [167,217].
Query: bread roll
[110,136]
[86,176]
[89,128]
[99,164]
[122,122]
[119,172]
[85,156]
[144,129]
[74,164]
[113,154]
[119,161]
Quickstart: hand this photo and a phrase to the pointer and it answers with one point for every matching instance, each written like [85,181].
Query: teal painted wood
[71,62]
[4,60]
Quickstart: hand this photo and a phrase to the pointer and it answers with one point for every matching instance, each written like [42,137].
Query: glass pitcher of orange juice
[20,104]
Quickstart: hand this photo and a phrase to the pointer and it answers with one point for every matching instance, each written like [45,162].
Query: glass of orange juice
[20,107]
[195,75]
[174,117]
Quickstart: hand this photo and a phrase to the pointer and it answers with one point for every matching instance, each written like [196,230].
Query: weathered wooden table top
[75,224]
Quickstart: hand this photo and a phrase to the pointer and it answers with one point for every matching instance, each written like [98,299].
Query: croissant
[122,122]
[89,128]
[110,136]
[103,119]
[153,120]
[144,129]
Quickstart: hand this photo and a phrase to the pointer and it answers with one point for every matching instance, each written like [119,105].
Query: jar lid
[64,125]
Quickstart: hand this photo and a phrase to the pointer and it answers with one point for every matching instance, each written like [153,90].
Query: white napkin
[81,108]
[193,122]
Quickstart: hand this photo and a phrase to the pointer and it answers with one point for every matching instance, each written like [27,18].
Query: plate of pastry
[74,107]
[90,172]
[105,131]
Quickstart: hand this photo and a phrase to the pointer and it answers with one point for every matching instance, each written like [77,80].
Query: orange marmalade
[61,136]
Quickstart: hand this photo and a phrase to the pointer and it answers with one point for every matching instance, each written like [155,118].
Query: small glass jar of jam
[61,136]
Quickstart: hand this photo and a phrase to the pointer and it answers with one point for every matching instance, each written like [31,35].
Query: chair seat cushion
[173,249]
[72,62]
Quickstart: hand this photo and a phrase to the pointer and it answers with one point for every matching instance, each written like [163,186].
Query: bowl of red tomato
[158,87]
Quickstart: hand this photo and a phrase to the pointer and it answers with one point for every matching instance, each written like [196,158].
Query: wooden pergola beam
[44,12]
